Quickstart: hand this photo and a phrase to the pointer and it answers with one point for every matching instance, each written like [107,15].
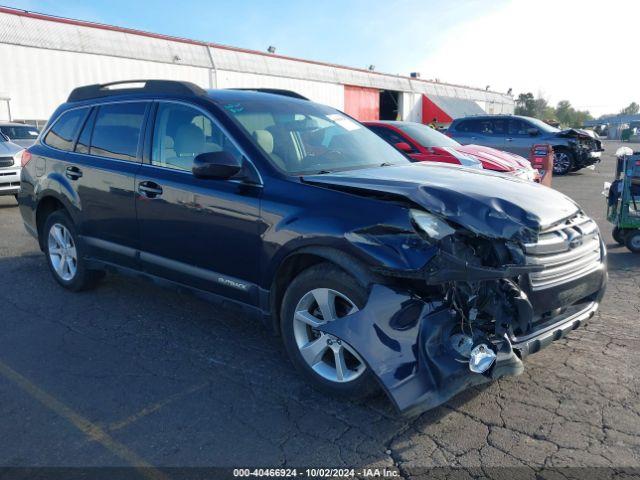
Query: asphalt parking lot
[131,374]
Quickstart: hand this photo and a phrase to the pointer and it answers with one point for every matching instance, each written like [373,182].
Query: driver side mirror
[220,165]
[404,147]
[533,132]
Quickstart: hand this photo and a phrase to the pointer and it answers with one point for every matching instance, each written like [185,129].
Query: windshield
[426,136]
[302,137]
[20,132]
[545,127]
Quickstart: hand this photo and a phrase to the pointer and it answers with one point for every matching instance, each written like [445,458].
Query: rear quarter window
[65,129]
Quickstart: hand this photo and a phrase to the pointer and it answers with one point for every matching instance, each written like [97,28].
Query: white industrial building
[44,58]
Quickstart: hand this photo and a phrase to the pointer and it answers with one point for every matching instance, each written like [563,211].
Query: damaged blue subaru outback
[420,279]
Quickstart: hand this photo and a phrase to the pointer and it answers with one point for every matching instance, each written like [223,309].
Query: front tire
[632,241]
[320,294]
[618,235]
[65,253]
[563,161]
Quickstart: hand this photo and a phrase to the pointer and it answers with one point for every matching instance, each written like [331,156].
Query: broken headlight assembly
[433,227]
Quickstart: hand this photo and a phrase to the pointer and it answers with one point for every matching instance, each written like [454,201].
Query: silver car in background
[20,133]
[10,165]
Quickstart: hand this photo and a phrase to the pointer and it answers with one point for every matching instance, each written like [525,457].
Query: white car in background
[20,133]
[10,165]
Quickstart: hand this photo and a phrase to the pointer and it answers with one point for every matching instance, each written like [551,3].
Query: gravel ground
[131,374]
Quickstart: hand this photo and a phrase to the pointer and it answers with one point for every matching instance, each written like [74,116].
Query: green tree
[632,109]
[525,104]
[565,113]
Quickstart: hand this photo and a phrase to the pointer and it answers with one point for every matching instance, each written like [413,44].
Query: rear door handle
[149,189]
[73,173]
[509,139]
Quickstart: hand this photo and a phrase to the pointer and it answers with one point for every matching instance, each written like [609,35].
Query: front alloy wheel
[562,162]
[327,355]
[320,294]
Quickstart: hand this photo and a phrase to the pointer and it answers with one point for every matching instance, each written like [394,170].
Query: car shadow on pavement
[179,380]
[619,258]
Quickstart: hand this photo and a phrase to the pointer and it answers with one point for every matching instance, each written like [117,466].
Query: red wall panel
[362,103]
[430,111]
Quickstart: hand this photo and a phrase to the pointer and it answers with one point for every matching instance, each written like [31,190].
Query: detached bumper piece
[415,348]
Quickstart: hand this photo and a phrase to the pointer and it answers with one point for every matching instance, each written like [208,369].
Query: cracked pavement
[184,383]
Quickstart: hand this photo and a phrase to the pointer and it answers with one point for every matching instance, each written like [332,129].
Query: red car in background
[424,144]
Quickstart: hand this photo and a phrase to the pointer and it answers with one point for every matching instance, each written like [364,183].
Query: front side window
[65,129]
[181,133]
[301,137]
[116,132]
[519,128]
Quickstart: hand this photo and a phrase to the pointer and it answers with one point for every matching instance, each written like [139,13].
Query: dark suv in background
[574,149]
[421,278]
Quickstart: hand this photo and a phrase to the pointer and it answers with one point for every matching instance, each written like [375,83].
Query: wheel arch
[48,203]
[303,258]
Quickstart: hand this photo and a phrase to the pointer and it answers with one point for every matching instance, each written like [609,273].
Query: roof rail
[137,86]
[274,91]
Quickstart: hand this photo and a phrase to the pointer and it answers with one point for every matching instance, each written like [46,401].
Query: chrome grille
[567,251]
[6,162]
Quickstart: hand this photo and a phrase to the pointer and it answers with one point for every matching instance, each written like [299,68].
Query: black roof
[171,87]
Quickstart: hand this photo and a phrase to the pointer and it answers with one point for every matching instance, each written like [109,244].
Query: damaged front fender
[406,342]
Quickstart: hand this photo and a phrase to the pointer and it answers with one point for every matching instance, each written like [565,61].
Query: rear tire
[632,241]
[563,161]
[65,253]
[618,235]
[329,363]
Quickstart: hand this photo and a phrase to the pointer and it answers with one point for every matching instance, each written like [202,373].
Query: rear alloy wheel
[563,162]
[632,241]
[321,294]
[64,253]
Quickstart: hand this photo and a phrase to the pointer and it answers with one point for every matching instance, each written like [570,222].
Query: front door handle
[149,189]
[509,139]
[73,173]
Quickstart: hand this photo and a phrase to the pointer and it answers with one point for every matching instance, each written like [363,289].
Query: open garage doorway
[389,105]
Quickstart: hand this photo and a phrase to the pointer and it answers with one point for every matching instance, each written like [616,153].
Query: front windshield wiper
[386,164]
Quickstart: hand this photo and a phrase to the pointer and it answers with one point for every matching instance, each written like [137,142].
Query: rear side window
[65,129]
[486,126]
[117,129]
[468,126]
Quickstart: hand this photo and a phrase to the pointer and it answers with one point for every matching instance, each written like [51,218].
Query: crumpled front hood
[492,159]
[574,132]
[487,203]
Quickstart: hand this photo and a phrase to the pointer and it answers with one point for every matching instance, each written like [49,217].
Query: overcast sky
[583,51]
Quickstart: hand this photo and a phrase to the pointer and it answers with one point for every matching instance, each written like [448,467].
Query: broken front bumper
[406,342]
